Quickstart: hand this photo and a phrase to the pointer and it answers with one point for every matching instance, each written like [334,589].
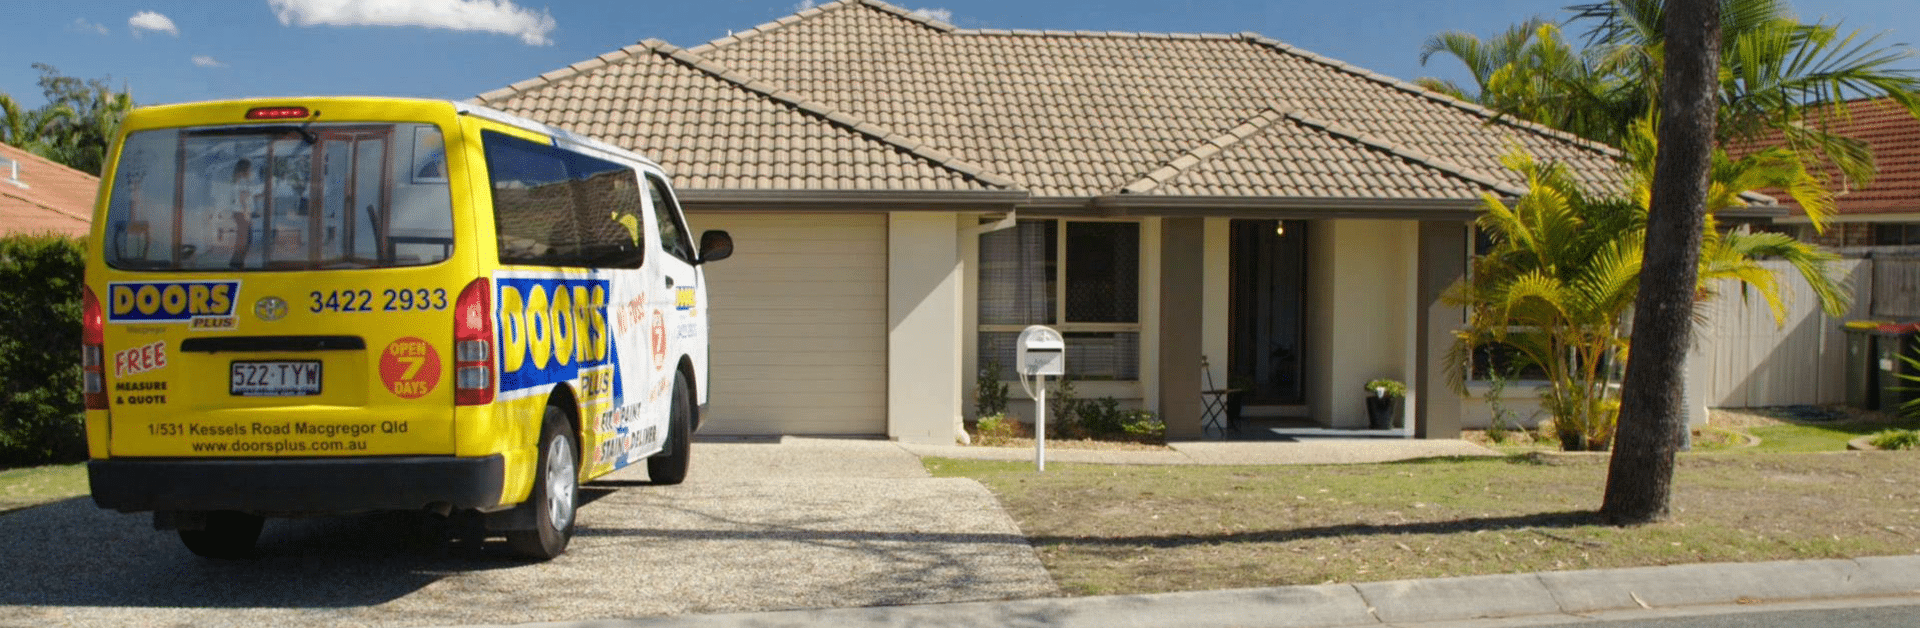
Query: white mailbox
[1041,351]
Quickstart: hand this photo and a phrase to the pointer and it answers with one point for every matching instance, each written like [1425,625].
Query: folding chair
[1213,404]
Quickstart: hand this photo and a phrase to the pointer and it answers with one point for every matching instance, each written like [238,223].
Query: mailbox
[1040,351]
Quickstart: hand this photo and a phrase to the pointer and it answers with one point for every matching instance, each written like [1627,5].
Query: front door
[1268,301]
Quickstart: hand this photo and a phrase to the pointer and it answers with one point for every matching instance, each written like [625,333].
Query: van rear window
[294,197]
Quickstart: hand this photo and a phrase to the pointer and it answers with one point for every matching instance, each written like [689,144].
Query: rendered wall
[924,323]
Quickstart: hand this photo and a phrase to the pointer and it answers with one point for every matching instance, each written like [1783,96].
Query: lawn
[32,486]
[1138,529]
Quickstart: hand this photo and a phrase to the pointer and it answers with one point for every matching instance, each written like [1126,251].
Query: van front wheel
[226,535]
[556,492]
[670,465]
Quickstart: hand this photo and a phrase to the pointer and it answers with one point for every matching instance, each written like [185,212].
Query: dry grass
[1122,529]
[32,486]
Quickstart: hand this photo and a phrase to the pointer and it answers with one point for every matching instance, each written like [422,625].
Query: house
[907,196]
[1886,211]
[40,196]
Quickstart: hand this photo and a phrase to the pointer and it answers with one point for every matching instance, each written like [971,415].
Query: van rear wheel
[227,535]
[556,491]
[670,465]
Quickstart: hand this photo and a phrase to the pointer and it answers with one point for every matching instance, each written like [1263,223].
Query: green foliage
[1389,387]
[996,429]
[77,125]
[1103,418]
[1897,439]
[1564,271]
[990,391]
[40,405]
[1063,405]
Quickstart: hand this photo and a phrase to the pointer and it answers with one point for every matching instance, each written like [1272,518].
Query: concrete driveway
[771,525]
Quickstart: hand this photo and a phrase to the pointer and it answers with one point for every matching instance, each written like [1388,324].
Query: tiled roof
[56,198]
[714,129]
[1894,136]
[1087,114]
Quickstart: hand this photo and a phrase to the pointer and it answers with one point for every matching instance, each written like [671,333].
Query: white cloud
[81,25]
[943,15]
[207,62]
[492,16]
[150,21]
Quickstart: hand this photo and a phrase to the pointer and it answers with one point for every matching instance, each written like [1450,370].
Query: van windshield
[296,197]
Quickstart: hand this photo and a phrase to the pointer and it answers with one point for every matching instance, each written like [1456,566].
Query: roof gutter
[1283,208]
[857,201]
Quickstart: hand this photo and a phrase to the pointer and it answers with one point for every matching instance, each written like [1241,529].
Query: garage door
[799,324]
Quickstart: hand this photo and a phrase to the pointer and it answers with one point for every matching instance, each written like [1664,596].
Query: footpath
[1504,600]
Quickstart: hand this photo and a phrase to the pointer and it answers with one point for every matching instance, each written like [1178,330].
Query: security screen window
[274,197]
[1079,277]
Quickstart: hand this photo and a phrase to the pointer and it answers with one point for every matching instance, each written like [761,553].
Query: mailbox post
[1040,352]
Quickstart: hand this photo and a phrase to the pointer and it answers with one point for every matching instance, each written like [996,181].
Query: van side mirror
[715,245]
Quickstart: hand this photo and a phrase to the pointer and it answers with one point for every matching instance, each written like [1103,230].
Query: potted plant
[1238,387]
[1380,395]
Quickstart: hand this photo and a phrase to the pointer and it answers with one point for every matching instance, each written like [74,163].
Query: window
[1080,277]
[555,207]
[673,232]
[1499,358]
[1896,234]
[270,197]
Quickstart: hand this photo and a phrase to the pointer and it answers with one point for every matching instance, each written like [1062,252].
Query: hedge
[41,410]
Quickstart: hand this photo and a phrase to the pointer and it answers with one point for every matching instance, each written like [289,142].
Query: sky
[168,51]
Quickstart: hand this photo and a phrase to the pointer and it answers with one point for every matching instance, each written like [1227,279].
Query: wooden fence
[1753,361]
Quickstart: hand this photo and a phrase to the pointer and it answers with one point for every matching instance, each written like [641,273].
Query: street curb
[1374,603]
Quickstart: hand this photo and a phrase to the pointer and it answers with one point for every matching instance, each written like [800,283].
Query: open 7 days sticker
[410,368]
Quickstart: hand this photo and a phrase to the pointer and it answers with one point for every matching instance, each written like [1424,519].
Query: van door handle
[670,282]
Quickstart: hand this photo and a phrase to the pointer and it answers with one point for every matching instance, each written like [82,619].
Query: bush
[41,411]
[1897,439]
[990,391]
[996,429]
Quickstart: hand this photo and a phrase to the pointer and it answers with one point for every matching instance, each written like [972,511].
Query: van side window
[556,207]
[673,231]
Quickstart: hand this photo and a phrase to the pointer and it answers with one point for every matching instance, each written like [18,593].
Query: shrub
[990,391]
[996,429]
[1897,439]
[1145,426]
[41,410]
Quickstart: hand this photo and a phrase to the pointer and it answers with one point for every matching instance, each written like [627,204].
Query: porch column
[1443,260]
[923,328]
[1182,257]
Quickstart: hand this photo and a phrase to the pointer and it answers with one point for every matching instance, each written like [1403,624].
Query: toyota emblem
[270,309]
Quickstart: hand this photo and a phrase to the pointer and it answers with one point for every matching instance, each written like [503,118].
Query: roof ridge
[1410,154]
[37,203]
[810,12]
[1403,85]
[922,150]
[570,71]
[1206,150]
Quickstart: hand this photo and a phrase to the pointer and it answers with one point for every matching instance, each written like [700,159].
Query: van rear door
[281,290]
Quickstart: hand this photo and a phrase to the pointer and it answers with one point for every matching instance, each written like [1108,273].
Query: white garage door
[799,324]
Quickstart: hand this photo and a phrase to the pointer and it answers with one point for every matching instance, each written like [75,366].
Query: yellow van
[328,305]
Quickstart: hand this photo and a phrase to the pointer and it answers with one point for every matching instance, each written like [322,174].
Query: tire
[555,498]
[228,535]
[670,465]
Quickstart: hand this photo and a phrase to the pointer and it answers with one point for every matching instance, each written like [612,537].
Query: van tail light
[473,345]
[93,352]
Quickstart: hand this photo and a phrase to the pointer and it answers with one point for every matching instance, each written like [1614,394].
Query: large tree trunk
[1640,479]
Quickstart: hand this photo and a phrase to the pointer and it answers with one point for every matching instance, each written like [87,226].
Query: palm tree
[1565,270]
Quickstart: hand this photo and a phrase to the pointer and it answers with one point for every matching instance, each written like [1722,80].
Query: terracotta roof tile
[54,198]
[1894,136]
[1077,113]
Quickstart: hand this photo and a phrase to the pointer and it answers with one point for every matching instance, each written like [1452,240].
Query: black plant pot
[1380,412]
[1236,402]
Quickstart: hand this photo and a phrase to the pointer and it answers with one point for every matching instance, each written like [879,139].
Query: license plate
[274,379]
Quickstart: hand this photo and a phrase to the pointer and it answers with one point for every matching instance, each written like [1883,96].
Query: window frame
[1058,312]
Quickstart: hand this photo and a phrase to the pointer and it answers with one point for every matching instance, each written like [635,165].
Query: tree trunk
[1640,478]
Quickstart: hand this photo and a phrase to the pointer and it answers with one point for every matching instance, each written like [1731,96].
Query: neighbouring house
[1746,359]
[40,196]
[1885,213]
[907,196]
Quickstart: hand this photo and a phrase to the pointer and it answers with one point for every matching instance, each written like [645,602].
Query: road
[1824,614]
